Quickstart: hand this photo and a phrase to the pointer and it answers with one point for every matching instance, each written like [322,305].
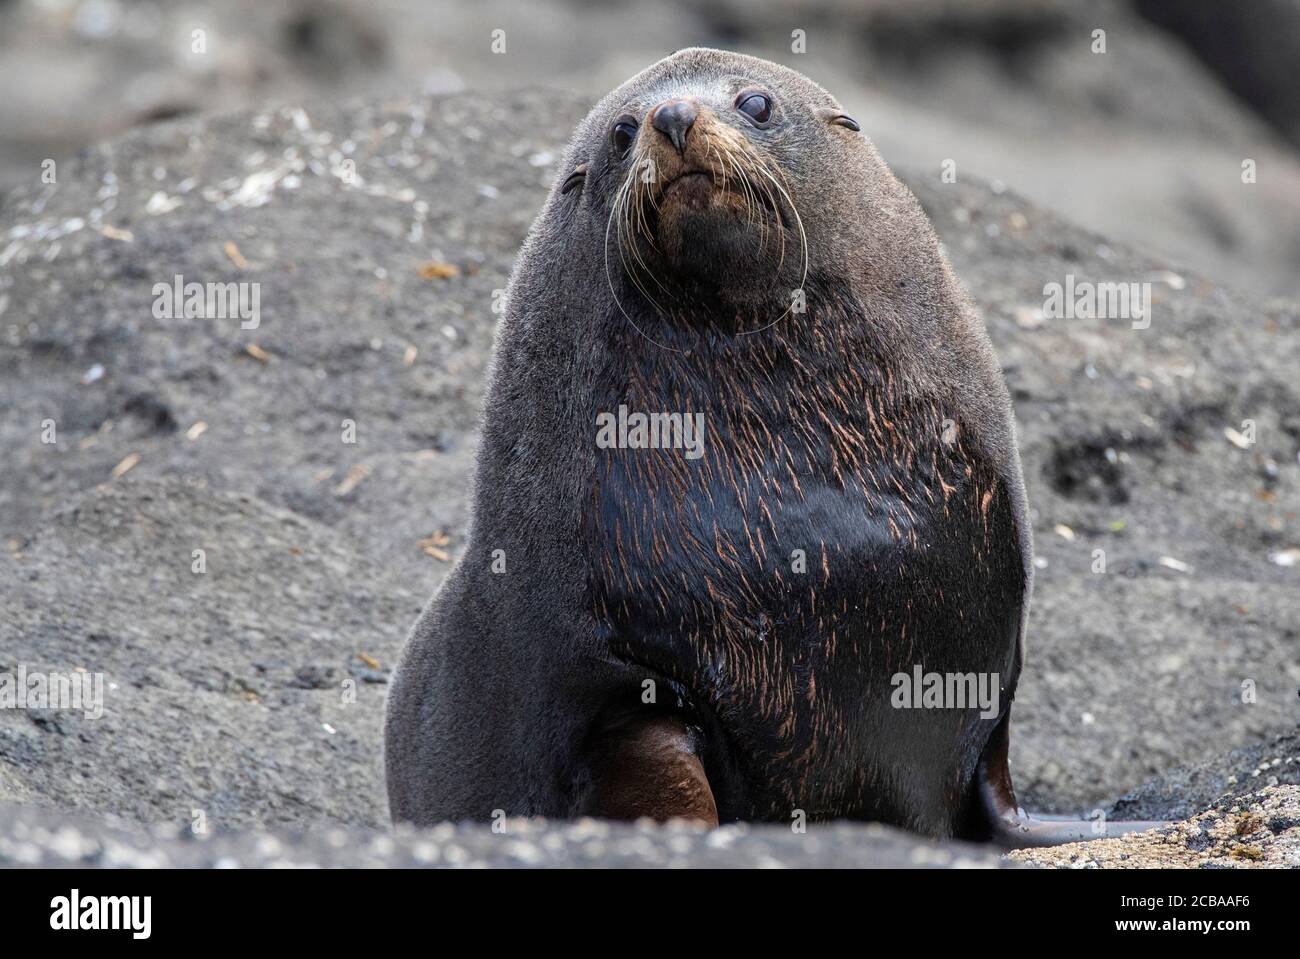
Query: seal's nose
[674,118]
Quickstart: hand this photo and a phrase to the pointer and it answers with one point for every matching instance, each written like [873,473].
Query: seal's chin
[706,228]
[692,189]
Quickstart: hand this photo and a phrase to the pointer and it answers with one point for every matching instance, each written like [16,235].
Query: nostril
[674,120]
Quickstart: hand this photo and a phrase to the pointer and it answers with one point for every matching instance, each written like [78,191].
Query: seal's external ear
[841,119]
[575,179]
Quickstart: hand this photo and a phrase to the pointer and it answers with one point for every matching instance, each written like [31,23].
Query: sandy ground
[1263,832]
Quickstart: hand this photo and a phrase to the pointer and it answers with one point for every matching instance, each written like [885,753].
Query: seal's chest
[747,513]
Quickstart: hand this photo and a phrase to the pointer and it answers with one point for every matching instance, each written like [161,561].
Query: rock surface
[35,838]
[1182,792]
[250,694]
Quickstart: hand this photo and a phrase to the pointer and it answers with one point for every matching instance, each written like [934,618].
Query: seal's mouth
[704,188]
[704,175]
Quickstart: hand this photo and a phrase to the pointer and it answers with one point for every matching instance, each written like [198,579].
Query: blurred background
[1144,142]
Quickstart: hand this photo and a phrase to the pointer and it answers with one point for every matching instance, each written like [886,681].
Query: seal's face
[697,166]
[697,191]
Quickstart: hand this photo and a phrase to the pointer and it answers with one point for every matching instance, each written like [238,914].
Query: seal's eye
[756,106]
[623,134]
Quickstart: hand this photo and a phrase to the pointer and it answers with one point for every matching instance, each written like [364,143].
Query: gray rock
[1181,793]
[38,838]
[317,550]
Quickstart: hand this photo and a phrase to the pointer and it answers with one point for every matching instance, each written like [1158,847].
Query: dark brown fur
[870,430]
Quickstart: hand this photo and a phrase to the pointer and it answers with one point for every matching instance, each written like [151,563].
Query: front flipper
[649,766]
[1006,824]
[1022,832]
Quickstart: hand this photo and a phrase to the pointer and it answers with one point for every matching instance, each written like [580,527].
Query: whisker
[617,211]
[803,241]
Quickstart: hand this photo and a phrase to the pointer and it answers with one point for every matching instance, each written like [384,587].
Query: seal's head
[717,177]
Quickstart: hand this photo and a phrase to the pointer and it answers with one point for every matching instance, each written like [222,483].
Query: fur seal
[633,631]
